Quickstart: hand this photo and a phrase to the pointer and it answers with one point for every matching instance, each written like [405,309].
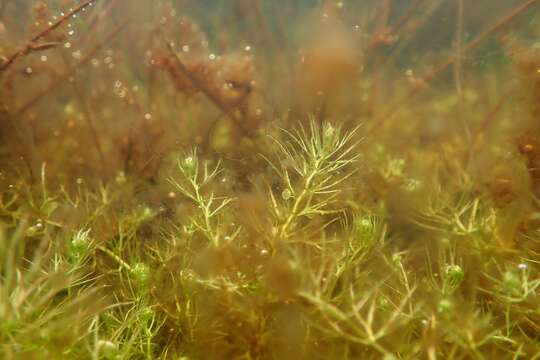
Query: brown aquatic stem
[32,45]
[503,21]
[203,89]
[66,76]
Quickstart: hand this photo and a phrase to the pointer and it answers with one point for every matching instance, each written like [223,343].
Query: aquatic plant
[221,180]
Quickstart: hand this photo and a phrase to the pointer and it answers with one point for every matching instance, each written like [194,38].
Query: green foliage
[453,277]
[209,206]
[312,165]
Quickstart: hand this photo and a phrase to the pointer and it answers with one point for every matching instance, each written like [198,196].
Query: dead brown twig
[203,89]
[32,44]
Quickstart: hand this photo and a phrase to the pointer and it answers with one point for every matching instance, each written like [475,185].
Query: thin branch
[405,17]
[89,56]
[503,21]
[202,88]
[32,45]
[458,67]
[88,116]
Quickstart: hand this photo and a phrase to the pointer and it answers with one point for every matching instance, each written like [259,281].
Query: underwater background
[269,179]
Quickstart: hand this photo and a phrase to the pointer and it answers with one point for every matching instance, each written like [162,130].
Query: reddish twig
[89,56]
[202,88]
[503,21]
[405,17]
[488,118]
[32,45]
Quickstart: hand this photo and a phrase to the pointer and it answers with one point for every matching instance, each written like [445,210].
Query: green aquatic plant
[196,177]
[312,164]
[40,294]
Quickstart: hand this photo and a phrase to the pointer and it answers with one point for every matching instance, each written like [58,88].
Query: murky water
[270,179]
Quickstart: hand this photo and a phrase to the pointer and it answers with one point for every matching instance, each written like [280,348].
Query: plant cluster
[179,183]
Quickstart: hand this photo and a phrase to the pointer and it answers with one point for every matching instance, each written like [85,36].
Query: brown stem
[31,44]
[388,60]
[386,6]
[88,116]
[405,17]
[66,76]
[202,88]
[486,121]
[458,68]
[504,20]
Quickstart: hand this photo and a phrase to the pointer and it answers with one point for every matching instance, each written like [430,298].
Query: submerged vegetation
[270,179]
